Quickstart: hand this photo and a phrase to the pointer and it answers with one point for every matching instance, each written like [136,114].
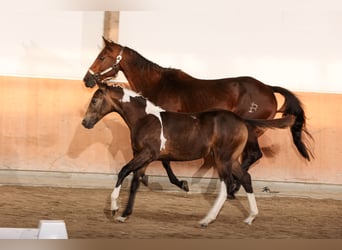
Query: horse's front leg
[135,183]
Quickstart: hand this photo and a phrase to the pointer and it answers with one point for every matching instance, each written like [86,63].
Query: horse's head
[102,103]
[106,64]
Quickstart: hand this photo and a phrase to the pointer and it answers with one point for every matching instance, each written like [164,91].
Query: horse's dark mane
[144,64]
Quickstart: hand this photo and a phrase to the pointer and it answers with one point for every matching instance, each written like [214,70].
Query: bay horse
[155,136]
[175,90]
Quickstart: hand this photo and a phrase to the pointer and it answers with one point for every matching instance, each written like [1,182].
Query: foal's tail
[284,122]
[293,106]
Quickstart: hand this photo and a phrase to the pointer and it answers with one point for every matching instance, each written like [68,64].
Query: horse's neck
[144,76]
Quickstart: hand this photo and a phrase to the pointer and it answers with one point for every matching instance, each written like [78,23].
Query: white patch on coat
[150,109]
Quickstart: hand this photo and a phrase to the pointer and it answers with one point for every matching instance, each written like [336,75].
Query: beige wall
[41,129]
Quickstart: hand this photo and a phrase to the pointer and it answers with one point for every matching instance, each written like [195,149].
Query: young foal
[157,134]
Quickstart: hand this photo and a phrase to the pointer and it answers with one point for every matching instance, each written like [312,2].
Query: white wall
[52,44]
[295,46]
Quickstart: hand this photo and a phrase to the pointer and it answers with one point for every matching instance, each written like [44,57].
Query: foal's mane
[137,96]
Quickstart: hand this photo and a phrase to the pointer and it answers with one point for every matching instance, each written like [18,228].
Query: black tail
[283,122]
[293,106]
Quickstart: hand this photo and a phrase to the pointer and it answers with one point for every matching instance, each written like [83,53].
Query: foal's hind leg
[225,174]
[245,178]
[250,155]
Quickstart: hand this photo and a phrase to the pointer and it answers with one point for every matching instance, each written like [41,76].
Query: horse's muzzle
[89,80]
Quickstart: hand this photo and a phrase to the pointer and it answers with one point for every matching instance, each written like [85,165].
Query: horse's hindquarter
[256,100]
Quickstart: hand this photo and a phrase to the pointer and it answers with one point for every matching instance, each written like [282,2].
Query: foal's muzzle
[87,124]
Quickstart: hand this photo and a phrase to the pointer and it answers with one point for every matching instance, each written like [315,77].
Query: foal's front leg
[139,161]
[135,183]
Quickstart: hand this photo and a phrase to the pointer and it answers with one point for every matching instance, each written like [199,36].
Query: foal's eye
[101,58]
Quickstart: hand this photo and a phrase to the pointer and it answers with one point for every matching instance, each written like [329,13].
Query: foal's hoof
[231,196]
[144,180]
[185,186]
[205,222]
[121,219]
[114,212]
[250,219]
[204,225]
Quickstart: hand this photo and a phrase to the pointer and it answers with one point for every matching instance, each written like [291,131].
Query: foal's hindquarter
[219,132]
[186,137]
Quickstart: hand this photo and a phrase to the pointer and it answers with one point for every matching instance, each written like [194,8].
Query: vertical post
[111,25]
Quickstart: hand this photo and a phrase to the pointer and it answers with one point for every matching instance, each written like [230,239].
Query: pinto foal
[157,134]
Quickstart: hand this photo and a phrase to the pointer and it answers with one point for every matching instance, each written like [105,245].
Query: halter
[118,59]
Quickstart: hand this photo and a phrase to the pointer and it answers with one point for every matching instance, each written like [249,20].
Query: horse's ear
[107,41]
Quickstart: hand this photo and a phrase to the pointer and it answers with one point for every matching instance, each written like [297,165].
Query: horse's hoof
[144,180]
[185,186]
[121,219]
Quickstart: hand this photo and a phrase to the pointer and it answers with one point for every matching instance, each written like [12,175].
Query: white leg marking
[252,208]
[221,198]
[114,197]
[121,219]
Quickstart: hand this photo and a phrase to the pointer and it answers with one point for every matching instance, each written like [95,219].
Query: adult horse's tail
[293,106]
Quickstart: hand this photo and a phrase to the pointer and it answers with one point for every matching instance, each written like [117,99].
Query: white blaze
[150,109]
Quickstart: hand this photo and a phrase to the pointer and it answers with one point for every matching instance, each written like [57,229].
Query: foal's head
[106,64]
[102,103]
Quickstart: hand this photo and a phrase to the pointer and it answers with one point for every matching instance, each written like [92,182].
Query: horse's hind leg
[245,178]
[173,179]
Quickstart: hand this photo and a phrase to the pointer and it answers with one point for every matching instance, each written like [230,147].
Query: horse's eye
[102,58]
[93,101]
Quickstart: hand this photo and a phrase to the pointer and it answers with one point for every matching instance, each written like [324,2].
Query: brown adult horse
[174,90]
[155,136]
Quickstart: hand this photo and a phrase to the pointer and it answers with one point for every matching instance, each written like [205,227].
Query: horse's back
[243,95]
